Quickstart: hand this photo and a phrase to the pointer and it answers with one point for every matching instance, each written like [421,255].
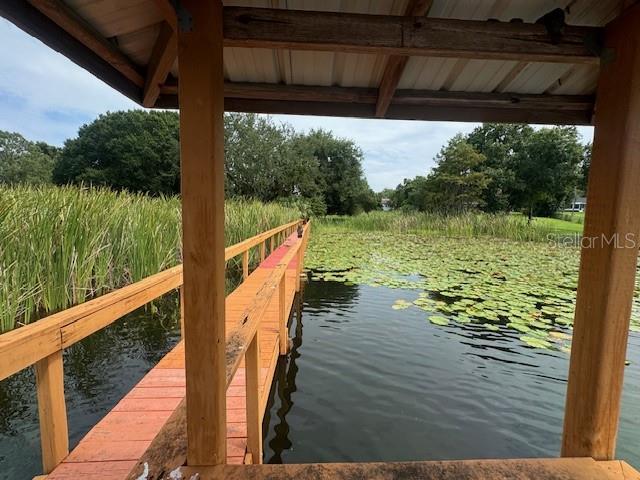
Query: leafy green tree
[457,183]
[22,161]
[501,144]
[262,161]
[411,194]
[585,165]
[548,171]
[132,150]
[344,188]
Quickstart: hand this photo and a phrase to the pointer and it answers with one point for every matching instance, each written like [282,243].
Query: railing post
[52,410]
[271,244]
[254,420]
[181,292]
[282,303]
[262,251]
[245,265]
[299,265]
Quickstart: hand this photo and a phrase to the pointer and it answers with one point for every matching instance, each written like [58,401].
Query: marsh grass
[60,246]
[464,225]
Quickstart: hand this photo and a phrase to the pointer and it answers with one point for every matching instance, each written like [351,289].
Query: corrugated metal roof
[133,24]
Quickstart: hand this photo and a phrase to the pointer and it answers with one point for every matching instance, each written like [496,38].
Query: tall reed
[60,246]
[466,225]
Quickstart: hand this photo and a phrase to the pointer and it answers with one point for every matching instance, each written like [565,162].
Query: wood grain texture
[609,253]
[163,56]
[52,411]
[538,469]
[393,35]
[253,411]
[202,186]
[394,68]
[73,24]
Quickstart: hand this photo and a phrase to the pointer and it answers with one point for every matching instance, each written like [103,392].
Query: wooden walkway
[114,446]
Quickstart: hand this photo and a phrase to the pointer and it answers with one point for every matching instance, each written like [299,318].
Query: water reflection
[374,384]
[99,371]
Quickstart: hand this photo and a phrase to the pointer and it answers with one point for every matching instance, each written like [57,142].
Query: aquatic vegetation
[526,288]
[62,245]
[462,225]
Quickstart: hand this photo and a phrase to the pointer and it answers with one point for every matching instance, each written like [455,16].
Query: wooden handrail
[168,449]
[42,343]
[24,346]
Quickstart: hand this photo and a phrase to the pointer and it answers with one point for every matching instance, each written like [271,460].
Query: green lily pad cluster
[522,288]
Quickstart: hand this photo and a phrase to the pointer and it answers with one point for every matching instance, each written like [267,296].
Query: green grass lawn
[560,226]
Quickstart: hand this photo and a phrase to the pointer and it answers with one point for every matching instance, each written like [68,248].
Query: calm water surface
[99,371]
[363,383]
[368,383]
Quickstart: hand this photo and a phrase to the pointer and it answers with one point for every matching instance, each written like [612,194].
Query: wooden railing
[41,344]
[161,455]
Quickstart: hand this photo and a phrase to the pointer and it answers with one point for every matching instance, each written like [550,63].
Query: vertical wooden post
[262,251]
[202,172]
[299,264]
[254,419]
[52,411]
[181,292]
[282,301]
[609,251]
[245,264]
[271,245]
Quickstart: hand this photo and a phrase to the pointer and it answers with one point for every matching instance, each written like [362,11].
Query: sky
[45,96]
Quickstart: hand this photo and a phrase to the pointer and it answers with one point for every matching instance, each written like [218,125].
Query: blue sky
[46,97]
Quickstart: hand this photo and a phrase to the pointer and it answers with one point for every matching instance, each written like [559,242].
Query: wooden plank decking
[114,446]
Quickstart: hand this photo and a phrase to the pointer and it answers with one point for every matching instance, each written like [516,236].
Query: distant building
[386,204]
[578,204]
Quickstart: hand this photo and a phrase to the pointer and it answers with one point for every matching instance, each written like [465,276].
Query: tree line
[139,151]
[501,168]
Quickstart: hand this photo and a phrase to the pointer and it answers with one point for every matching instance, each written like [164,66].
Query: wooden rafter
[72,23]
[394,35]
[163,56]
[396,64]
[410,104]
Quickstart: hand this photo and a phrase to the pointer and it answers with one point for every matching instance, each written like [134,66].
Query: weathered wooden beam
[395,65]
[395,35]
[537,469]
[609,252]
[35,23]
[77,27]
[202,187]
[162,58]
[406,104]
[168,12]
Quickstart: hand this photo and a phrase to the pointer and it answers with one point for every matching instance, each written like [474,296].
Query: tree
[344,188]
[262,161]
[501,144]
[547,170]
[132,150]
[585,165]
[22,161]
[457,183]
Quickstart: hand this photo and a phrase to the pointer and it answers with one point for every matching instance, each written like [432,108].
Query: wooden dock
[115,445]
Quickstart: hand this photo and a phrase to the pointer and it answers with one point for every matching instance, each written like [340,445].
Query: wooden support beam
[254,416]
[202,182]
[396,64]
[168,13]
[405,104]
[73,24]
[162,58]
[262,251]
[52,411]
[609,252]
[394,35]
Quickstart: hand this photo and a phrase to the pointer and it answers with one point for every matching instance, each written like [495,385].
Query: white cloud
[45,96]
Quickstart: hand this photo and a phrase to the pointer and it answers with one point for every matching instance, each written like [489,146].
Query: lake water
[365,382]
[99,371]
